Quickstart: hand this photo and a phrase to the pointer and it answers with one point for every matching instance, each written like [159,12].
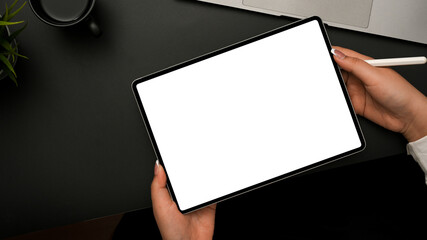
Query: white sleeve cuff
[418,150]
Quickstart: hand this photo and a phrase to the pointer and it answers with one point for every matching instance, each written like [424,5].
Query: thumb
[159,192]
[356,66]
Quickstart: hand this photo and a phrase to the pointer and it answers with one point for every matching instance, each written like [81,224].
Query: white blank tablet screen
[249,115]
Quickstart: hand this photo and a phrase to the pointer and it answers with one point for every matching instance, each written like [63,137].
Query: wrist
[417,127]
[415,135]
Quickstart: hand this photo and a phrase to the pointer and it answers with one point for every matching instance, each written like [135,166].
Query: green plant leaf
[7,63]
[6,14]
[13,5]
[6,45]
[15,53]
[22,56]
[5,23]
[17,32]
[10,50]
[17,11]
[11,76]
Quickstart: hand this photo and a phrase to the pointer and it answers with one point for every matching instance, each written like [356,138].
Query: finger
[345,76]
[159,192]
[368,74]
[213,206]
[351,53]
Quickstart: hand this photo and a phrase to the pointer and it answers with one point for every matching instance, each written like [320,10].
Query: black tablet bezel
[228,48]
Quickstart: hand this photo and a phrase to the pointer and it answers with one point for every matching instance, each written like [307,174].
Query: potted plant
[8,45]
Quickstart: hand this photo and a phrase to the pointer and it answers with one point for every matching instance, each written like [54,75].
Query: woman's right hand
[383,96]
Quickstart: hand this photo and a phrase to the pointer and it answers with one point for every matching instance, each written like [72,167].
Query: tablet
[248,115]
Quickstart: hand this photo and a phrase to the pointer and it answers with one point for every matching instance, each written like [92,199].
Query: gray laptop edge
[401,19]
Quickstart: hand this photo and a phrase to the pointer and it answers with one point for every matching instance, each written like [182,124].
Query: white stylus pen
[389,62]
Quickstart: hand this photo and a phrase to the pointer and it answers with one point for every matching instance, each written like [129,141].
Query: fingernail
[156,167]
[338,53]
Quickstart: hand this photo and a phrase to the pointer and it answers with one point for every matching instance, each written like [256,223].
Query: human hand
[383,96]
[171,222]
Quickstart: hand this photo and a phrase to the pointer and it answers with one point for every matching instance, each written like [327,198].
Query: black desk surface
[72,143]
